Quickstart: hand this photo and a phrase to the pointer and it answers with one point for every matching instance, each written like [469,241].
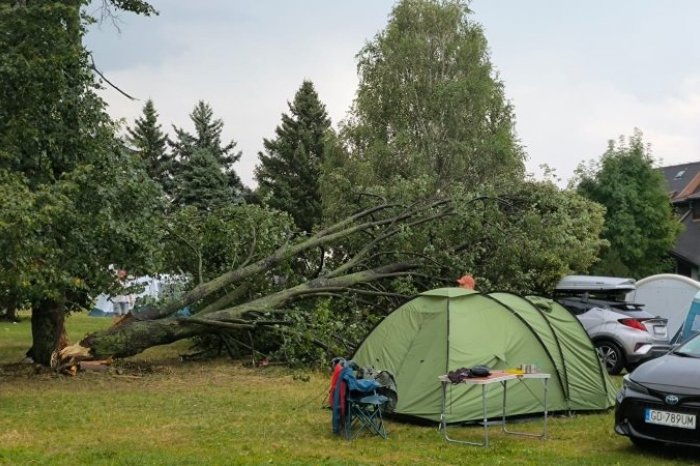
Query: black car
[660,401]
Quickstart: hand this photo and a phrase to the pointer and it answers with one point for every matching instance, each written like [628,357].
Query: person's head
[466,281]
[121,274]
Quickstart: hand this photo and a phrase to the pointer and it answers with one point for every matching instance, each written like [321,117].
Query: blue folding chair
[357,407]
[365,414]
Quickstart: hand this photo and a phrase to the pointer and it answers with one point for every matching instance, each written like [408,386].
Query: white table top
[497,376]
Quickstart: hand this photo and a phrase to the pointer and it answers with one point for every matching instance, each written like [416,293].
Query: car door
[591,317]
[594,320]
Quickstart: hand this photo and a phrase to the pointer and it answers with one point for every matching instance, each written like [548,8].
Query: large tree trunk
[133,337]
[48,331]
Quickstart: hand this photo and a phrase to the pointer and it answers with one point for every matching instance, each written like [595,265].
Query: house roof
[688,245]
[683,180]
[683,183]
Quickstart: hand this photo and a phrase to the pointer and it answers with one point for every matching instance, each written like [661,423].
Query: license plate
[667,418]
[659,330]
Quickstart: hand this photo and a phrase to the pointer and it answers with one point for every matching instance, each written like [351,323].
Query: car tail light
[634,323]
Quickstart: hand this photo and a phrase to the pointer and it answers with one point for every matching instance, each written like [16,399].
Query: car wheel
[611,356]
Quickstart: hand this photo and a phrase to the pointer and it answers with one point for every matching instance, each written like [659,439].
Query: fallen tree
[159,325]
[523,243]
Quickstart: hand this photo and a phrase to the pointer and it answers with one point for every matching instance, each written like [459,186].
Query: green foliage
[135,6]
[207,137]
[42,87]
[429,102]
[208,236]
[523,240]
[79,202]
[22,213]
[639,222]
[328,330]
[205,244]
[535,235]
[149,141]
[201,183]
[289,171]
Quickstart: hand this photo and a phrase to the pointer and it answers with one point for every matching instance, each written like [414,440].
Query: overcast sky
[577,73]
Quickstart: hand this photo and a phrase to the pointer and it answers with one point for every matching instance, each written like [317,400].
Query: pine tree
[289,170]
[149,141]
[201,183]
[207,137]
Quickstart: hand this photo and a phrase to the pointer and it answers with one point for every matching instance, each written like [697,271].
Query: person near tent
[122,302]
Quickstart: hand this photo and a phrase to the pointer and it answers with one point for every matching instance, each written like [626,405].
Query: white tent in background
[104,304]
[153,287]
[666,295]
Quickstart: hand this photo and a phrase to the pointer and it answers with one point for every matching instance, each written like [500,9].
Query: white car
[623,333]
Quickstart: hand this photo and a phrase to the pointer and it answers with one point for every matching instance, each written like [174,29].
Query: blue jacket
[354,388]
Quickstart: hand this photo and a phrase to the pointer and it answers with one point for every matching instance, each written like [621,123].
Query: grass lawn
[154,409]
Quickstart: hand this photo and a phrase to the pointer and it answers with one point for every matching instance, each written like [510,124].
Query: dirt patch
[24,370]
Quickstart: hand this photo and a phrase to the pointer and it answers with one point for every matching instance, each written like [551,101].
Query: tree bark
[136,336]
[48,331]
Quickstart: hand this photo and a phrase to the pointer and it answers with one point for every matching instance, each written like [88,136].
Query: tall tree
[639,222]
[81,202]
[201,183]
[207,136]
[429,102]
[150,142]
[290,169]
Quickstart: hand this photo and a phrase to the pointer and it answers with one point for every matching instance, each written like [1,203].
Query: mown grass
[154,409]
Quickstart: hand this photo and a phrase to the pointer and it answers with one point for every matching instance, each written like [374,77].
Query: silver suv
[623,333]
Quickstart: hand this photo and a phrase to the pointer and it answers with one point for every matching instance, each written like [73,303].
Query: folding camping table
[495,377]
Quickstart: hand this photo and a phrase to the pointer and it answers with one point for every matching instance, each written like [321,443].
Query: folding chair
[365,414]
[356,405]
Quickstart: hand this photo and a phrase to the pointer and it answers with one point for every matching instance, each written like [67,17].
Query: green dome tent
[450,328]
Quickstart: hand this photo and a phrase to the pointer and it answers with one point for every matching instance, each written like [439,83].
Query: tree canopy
[639,222]
[207,137]
[151,143]
[430,102]
[79,200]
[200,182]
[289,172]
